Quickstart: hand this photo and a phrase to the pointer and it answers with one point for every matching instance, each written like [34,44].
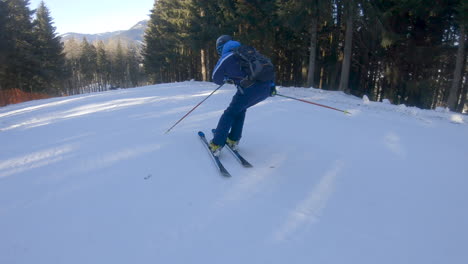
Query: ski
[218,163]
[237,155]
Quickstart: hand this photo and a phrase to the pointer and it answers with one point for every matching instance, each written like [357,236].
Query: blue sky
[95,16]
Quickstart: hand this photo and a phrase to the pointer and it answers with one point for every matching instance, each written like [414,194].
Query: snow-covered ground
[94,179]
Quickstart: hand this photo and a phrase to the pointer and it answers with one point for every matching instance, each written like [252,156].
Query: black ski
[218,163]
[237,155]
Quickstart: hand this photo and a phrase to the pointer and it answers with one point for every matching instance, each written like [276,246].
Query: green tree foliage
[33,59]
[408,51]
[165,46]
[209,19]
[416,41]
[101,66]
[5,41]
[458,93]
[133,72]
[348,45]
[87,63]
[402,50]
[19,54]
[49,52]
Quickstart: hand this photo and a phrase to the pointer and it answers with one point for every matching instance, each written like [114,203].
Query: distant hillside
[133,35]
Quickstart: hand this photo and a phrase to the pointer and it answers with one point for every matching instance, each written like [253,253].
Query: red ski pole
[309,102]
[193,109]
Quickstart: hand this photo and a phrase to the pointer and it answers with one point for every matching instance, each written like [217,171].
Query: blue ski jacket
[228,66]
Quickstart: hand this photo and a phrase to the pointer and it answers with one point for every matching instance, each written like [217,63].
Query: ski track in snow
[309,210]
[251,184]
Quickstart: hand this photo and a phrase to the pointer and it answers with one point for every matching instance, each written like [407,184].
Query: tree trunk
[452,101]
[348,47]
[464,95]
[313,48]
[203,65]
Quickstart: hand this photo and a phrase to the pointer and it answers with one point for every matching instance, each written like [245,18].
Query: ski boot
[215,149]
[232,144]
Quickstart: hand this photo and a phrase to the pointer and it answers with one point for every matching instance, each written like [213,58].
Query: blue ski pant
[231,122]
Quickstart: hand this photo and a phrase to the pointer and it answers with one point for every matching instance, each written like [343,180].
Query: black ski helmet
[221,41]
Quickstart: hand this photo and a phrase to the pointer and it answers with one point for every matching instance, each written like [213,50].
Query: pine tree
[119,66]
[350,10]
[289,51]
[179,41]
[5,41]
[72,65]
[205,21]
[22,62]
[298,25]
[401,50]
[156,46]
[49,51]
[133,67]
[103,65]
[455,92]
[254,20]
[87,63]
[462,11]
[209,20]
[313,44]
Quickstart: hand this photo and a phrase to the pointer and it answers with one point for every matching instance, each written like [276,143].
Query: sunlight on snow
[108,159]
[33,160]
[37,107]
[83,110]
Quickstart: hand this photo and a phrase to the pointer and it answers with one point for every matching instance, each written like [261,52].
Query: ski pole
[309,102]
[193,109]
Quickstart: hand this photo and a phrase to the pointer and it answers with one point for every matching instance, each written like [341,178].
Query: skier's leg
[237,126]
[236,109]
[238,105]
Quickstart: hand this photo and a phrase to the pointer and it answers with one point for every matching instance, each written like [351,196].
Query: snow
[455,118]
[94,179]
[365,99]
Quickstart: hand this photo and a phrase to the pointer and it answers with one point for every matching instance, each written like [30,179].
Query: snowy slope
[94,179]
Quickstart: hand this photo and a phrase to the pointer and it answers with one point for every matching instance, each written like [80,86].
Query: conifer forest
[410,52]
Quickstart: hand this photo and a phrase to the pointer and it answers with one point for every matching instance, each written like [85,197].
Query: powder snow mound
[94,179]
[365,99]
[458,119]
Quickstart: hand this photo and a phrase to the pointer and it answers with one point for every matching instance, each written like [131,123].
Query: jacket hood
[229,46]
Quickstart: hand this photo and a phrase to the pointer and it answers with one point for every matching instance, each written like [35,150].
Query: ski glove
[227,80]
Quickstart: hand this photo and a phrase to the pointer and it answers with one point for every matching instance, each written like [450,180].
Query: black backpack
[255,65]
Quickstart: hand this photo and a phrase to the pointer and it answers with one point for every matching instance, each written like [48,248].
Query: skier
[228,69]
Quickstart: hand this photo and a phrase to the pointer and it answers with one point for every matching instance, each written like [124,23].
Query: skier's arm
[227,68]
[219,72]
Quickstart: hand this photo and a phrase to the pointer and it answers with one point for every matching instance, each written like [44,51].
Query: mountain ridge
[133,35]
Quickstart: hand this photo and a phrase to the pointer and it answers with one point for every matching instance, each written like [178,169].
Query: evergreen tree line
[33,58]
[411,52]
[101,66]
